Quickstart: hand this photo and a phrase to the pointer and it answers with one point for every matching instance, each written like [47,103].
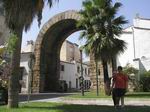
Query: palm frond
[100,23]
[117,5]
[119,21]
[20,13]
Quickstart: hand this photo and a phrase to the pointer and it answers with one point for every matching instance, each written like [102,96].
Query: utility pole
[82,79]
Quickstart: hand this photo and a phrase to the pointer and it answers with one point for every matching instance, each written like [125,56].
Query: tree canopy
[102,25]
[20,13]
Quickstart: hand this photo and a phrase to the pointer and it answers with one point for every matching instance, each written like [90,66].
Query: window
[62,67]
[88,71]
[85,71]
[99,73]
[77,83]
[78,69]
[69,84]
[22,69]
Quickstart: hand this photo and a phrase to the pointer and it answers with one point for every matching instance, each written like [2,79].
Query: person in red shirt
[120,85]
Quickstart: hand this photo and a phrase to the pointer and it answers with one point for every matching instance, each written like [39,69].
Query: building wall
[141,22]
[68,74]
[63,52]
[72,73]
[142,43]
[128,55]
[69,52]
[76,53]
[29,47]
[138,43]
[25,57]
[4,31]
[25,76]
[24,63]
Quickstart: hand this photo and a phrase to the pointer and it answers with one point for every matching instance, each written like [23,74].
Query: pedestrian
[113,88]
[120,85]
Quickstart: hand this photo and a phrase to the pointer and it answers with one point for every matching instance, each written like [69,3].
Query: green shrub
[145,81]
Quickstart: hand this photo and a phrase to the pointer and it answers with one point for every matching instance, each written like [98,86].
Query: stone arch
[47,50]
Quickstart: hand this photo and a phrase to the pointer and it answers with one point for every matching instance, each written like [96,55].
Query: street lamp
[82,79]
[30,65]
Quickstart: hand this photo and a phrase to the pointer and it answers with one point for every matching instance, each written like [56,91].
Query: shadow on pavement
[87,108]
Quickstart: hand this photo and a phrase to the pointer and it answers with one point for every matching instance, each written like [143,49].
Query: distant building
[69,52]
[71,73]
[24,68]
[137,37]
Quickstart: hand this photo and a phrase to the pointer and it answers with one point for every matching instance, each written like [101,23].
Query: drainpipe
[133,42]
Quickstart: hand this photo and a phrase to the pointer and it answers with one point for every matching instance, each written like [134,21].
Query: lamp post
[82,79]
[30,65]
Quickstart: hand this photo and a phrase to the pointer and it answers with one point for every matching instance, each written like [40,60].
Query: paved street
[42,96]
[58,98]
[109,102]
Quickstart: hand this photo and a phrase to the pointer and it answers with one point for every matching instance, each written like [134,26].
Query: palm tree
[114,24]
[88,34]
[19,15]
[101,28]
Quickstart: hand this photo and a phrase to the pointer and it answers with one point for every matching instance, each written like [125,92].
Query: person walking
[112,87]
[120,85]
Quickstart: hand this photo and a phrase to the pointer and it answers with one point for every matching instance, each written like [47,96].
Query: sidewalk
[136,102]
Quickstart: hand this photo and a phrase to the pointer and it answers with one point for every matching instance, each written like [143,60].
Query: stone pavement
[102,101]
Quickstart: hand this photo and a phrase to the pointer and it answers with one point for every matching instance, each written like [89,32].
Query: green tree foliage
[12,41]
[130,70]
[6,53]
[132,75]
[145,81]
[20,13]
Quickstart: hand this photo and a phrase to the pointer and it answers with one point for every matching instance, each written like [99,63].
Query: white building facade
[71,73]
[137,38]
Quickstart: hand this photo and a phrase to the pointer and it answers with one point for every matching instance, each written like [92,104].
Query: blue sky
[129,10]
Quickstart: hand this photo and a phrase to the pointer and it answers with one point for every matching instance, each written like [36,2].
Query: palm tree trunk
[114,64]
[106,78]
[105,71]
[110,34]
[97,88]
[13,87]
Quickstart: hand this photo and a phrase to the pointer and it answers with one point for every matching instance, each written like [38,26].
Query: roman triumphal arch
[47,50]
